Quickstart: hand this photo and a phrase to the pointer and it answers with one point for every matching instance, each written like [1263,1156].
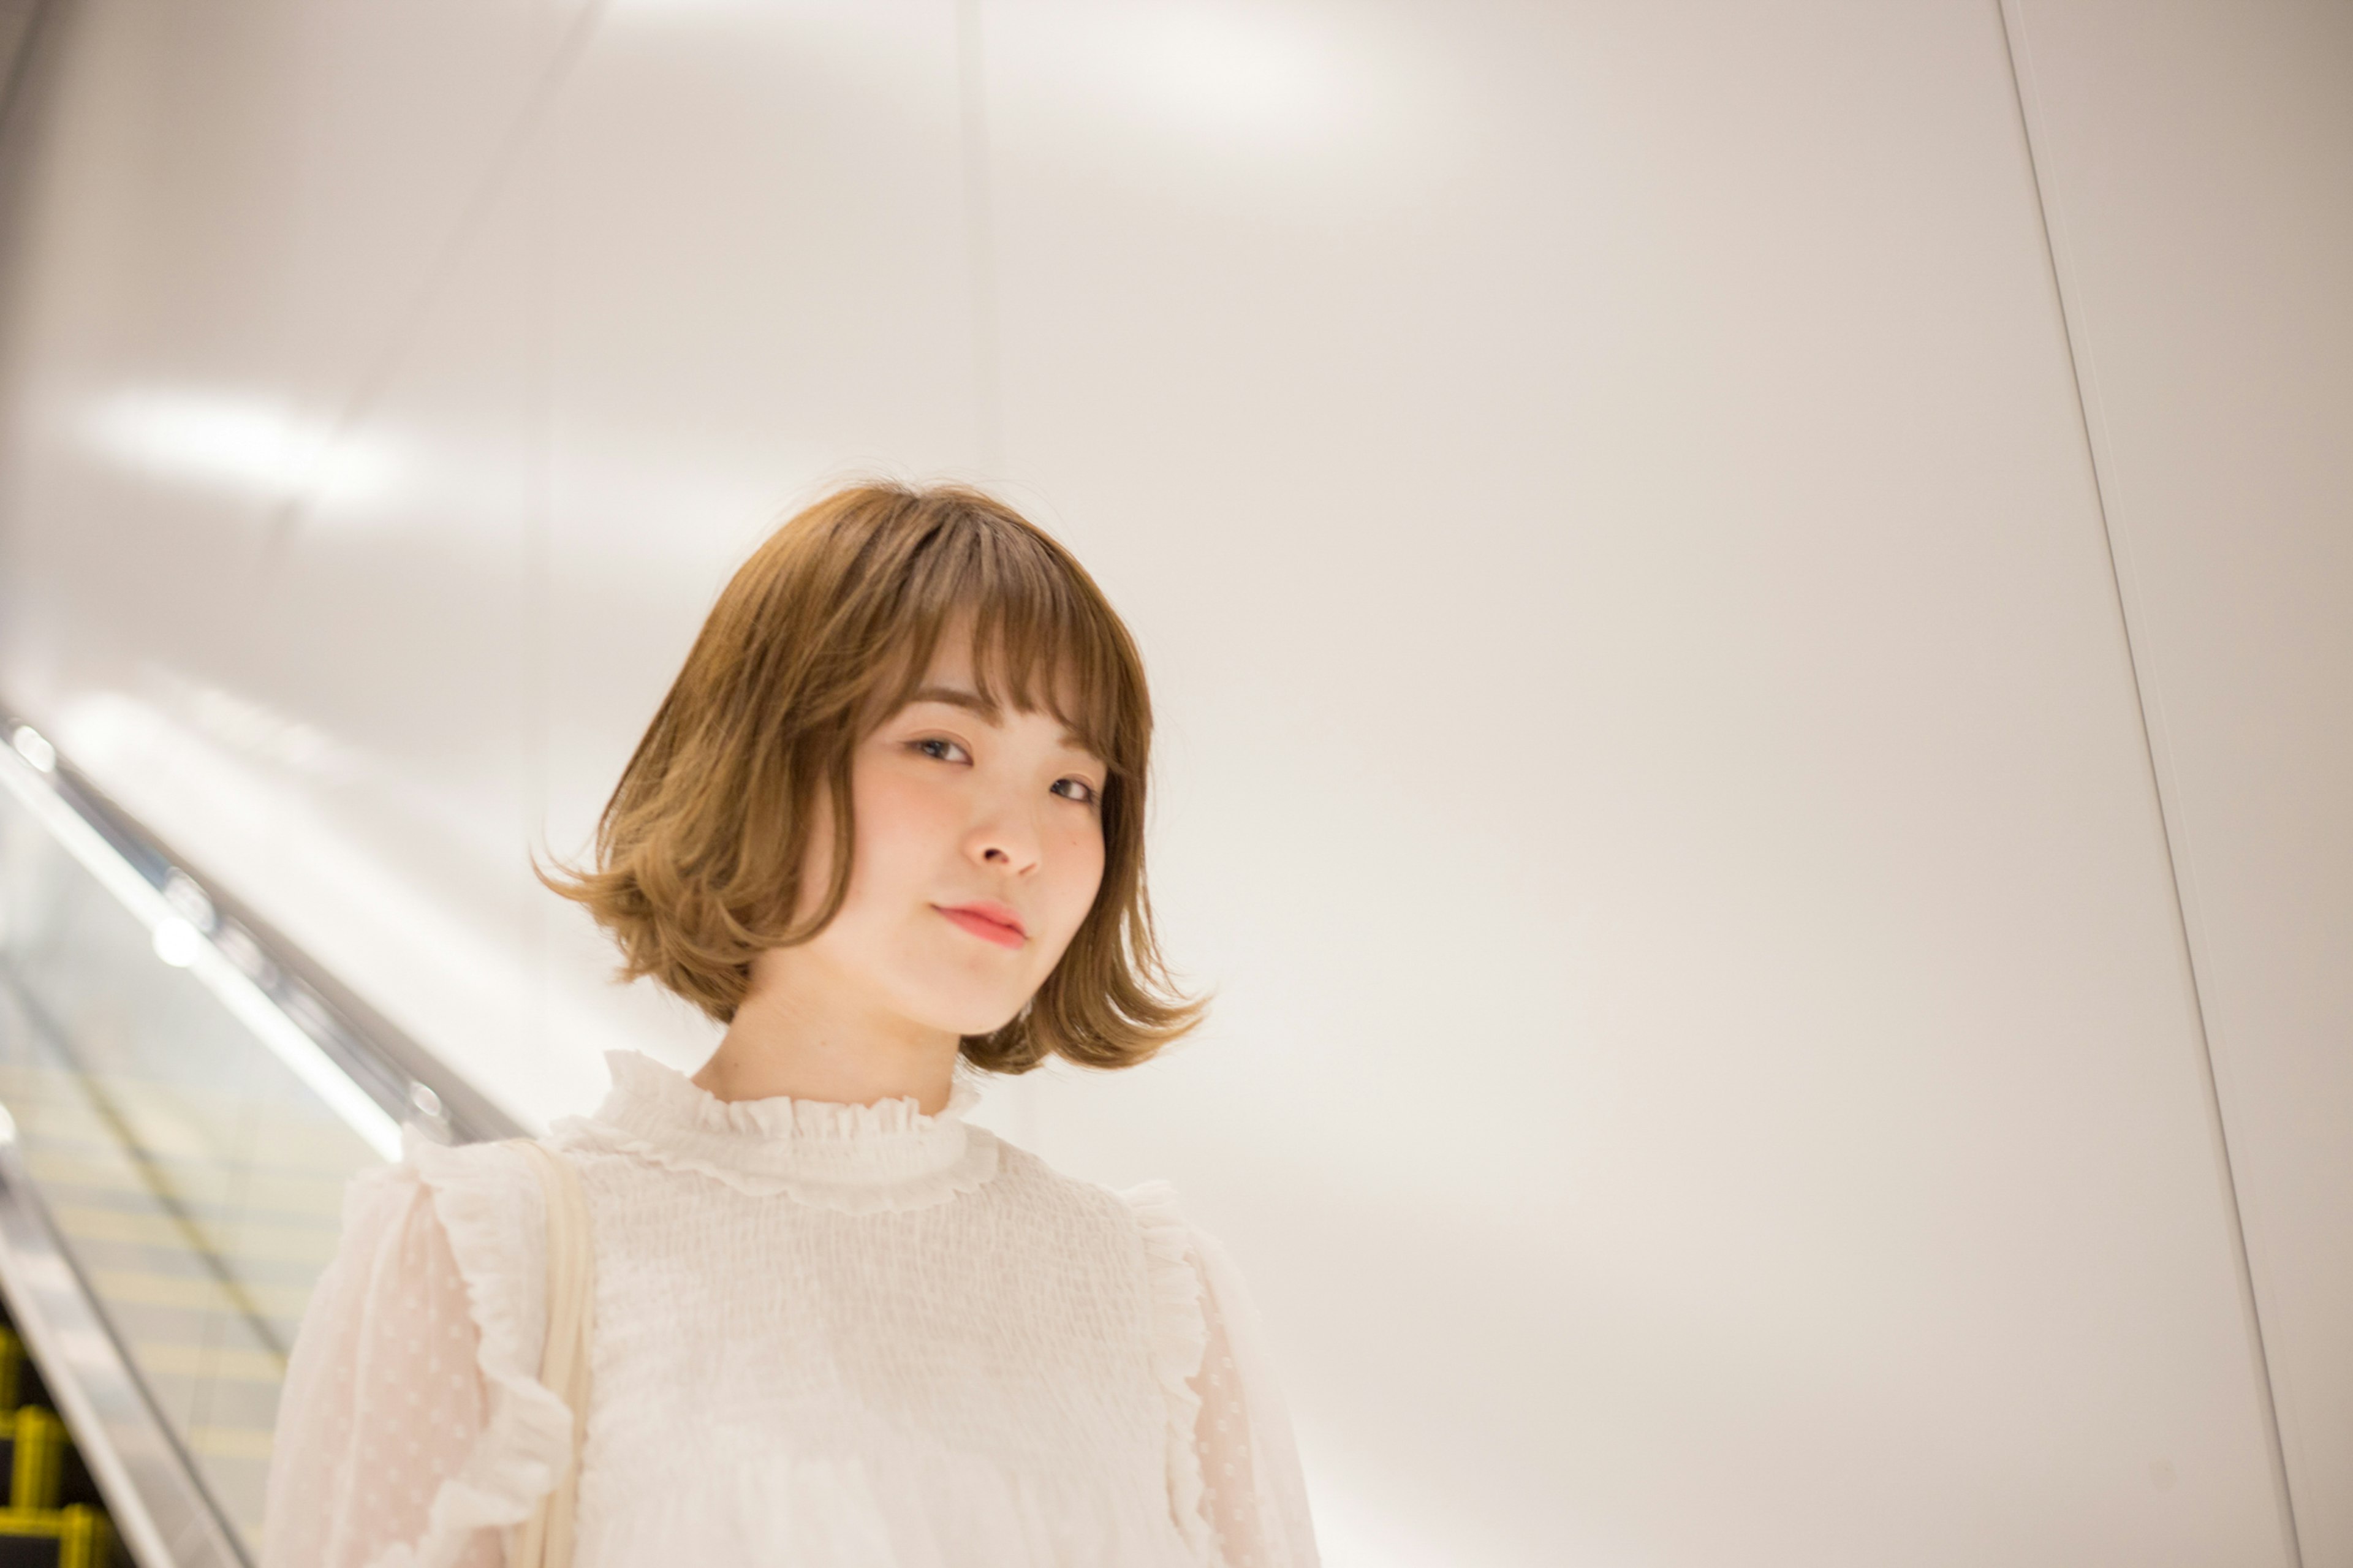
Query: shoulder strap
[544,1540]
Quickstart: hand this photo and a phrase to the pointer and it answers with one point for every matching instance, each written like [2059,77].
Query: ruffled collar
[856,1158]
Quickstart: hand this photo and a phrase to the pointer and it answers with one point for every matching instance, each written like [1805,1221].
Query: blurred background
[1753,614]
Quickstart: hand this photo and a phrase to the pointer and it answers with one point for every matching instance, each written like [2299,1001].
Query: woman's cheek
[1084,856]
[896,815]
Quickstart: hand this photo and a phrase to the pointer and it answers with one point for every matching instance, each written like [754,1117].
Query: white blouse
[825,1334]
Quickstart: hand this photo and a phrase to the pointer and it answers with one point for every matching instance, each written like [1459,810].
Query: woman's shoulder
[1149,1211]
[462,1177]
[472,1183]
[485,1201]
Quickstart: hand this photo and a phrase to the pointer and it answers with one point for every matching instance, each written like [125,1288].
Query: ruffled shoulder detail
[1180,1338]
[491,1208]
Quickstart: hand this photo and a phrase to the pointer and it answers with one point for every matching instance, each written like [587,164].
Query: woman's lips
[990,922]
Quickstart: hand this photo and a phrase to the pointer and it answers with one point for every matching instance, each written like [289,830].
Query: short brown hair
[822,635]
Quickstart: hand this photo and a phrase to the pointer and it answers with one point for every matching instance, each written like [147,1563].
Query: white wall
[1707,1066]
[2197,163]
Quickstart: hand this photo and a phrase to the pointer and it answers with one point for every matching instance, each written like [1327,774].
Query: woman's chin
[987,1026]
[968,1018]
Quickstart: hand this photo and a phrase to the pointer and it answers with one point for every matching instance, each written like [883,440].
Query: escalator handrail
[374,1077]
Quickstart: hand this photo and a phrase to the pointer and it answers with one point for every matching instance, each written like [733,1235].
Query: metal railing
[183,1098]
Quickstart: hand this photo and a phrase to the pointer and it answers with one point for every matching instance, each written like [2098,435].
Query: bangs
[1039,640]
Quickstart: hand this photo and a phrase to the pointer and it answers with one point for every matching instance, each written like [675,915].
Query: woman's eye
[1083,791]
[945,750]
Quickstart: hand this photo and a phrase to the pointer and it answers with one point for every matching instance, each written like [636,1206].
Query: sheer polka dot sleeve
[1251,1491]
[384,1401]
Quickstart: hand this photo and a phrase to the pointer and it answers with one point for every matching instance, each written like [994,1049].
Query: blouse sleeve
[409,1431]
[1252,1492]
[1233,1469]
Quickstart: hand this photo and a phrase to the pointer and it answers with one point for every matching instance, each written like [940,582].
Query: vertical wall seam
[2217,1125]
[11,90]
[538,716]
[981,235]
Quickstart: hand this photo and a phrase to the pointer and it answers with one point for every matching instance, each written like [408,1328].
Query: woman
[887,827]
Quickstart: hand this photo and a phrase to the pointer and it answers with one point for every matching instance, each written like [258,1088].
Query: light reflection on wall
[224,440]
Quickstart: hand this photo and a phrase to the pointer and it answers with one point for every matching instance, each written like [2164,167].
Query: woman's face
[978,849]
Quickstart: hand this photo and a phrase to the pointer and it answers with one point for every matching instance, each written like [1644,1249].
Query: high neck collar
[856,1158]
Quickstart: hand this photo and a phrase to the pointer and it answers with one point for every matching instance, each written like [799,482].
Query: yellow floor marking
[196,1360]
[313,1244]
[197,1292]
[230,1442]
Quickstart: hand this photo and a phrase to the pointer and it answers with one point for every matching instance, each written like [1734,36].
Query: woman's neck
[809,1041]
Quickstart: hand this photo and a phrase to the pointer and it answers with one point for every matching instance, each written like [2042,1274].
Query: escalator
[51,1513]
[184,1098]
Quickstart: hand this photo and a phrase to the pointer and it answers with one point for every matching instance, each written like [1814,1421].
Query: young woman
[888,828]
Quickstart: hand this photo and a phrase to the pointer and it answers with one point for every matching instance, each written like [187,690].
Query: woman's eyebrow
[971,701]
[956,697]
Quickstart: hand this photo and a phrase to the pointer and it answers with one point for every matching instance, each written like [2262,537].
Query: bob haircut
[817,640]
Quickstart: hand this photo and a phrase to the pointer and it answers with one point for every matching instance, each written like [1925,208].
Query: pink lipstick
[989,921]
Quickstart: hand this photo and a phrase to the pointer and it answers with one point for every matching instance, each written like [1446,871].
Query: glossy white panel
[401,609]
[2198,165]
[758,285]
[1705,1069]
[270,475]
[148,210]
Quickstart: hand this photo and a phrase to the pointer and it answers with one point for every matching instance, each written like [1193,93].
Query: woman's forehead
[1029,679]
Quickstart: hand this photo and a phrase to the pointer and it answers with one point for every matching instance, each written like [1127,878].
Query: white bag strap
[544,1540]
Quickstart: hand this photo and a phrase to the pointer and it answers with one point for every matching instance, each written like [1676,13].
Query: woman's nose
[1006,840]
